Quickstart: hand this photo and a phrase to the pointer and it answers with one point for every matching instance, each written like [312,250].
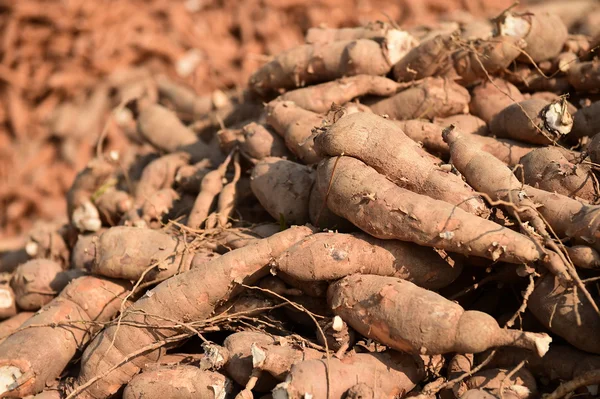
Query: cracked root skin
[405,317]
[42,353]
[389,374]
[188,296]
[315,63]
[283,188]
[329,256]
[558,171]
[554,306]
[381,144]
[180,381]
[386,211]
[319,98]
[126,252]
[432,97]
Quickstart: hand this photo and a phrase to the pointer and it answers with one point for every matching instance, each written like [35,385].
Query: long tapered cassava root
[382,145]
[450,171]
[358,193]
[211,284]
[405,317]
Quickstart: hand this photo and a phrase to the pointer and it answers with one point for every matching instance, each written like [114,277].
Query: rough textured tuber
[405,317]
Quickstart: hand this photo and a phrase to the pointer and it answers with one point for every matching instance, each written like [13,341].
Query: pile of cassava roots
[381,213]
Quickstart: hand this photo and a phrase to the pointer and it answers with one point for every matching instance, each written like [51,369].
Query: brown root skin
[97,173]
[8,305]
[386,211]
[278,360]
[157,206]
[554,306]
[261,142]
[319,98]
[315,63]
[520,385]
[466,123]
[186,101]
[488,175]
[112,204]
[459,365]
[562,362]
[532,121]
[585,76]
[84,251]
[584,256]
[381,144]
[431,57]
[36,356]
[211,186]
[485,58]
[544,34]
[127,252]
[38,281]
[389,374]
[181,381]
[489,98]
[47,241]
[429,134]
[586,122]
[322,217]
[431,97]
[206,287]
[372,30]
[283,188]
[405,317]
[153,120]
[240,365]
[568,217]
[159,174]
[559,171]
[330,256]
[189,177]
[10,325]
[295,125]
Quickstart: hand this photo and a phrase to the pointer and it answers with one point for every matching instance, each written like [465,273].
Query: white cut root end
[338,324]
[221,390]
[398,43]
[557,119]
[258,356]
[542,344]
[32,248]
[7,299]
[86,218]
[9,376]
[520,390]
[280,391]
[514,26]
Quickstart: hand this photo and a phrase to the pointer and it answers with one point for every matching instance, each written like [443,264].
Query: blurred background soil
[61,60]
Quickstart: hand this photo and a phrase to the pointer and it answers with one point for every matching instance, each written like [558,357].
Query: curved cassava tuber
[405,317]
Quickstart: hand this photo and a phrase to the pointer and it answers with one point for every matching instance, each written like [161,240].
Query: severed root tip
[540,342]
[281,392]
[398,43]
[450,134]
[258,356]
[215,356]
[221,391]
[557,119]
[86,217]
[9,378]
[512,25]
[32,248]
